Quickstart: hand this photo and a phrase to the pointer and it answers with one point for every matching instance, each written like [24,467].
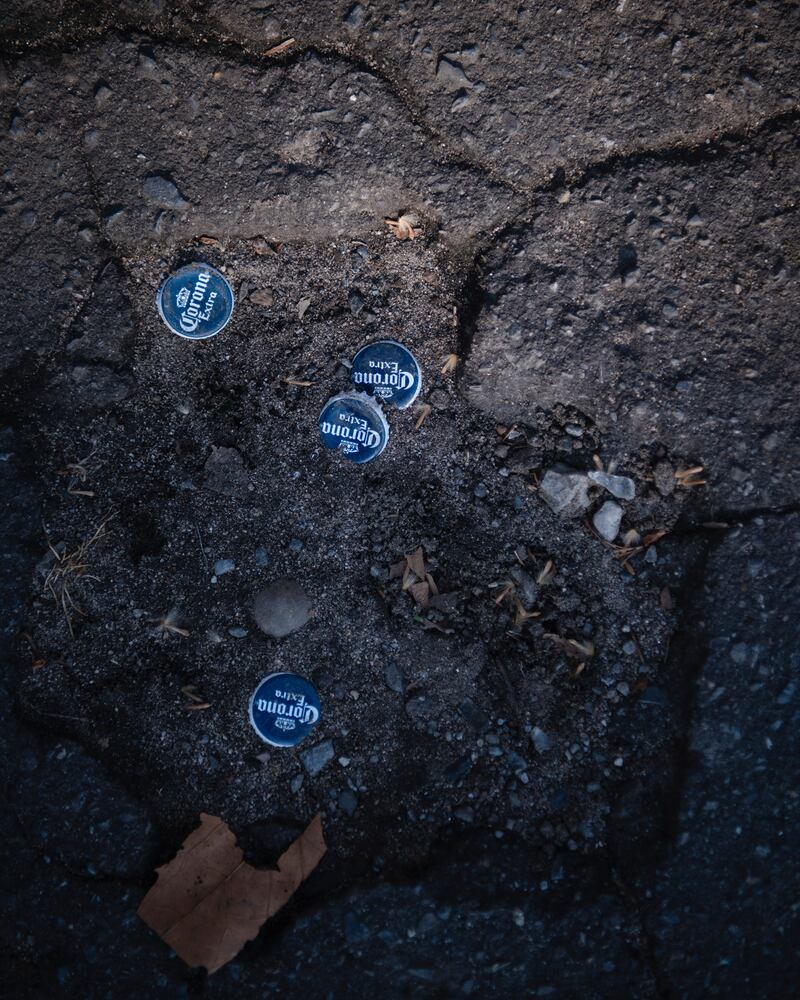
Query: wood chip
[450,364]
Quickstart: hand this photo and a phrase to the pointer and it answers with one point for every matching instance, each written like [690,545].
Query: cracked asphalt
[606,195]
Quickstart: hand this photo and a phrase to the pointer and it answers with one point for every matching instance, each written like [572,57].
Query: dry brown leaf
[688,477]
[508,588]
[262,247]
[406,227]
[416,563]
[421,592]
[398,569]
[209,241]
[547,573]
[450,365]
[208,902]
[522,615]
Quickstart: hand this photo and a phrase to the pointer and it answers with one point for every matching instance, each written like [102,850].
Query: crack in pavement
[695,146]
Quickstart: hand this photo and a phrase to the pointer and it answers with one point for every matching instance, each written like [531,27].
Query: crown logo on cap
[182,298]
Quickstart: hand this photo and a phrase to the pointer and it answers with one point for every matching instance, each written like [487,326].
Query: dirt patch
[212,482]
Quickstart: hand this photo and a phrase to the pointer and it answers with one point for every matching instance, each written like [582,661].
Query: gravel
[607,520]
[317,757]
[619,486]
[565,493]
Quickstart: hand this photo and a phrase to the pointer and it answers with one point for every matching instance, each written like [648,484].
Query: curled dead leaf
[407,227]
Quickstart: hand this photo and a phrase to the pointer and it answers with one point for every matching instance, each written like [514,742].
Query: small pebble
[541,740]
[565,492]
[607,520]
[619,486]
[316,757]
[281,608]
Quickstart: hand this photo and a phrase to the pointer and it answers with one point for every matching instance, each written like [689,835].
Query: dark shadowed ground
[609,243]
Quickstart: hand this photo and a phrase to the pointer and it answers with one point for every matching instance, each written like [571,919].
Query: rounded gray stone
[281,608]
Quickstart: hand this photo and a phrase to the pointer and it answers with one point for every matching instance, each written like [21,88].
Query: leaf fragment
[416,562]
[424,410]
[547,574]
[421,593]
[208,902]
[450,364]
[406,227]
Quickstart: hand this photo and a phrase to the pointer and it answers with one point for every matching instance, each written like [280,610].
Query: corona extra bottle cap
[388,371]
[284,709]
[195,302]
[354,424]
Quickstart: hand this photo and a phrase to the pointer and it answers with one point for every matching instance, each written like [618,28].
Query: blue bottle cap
[195,302]
[284,709]
[389,371]
[355,425]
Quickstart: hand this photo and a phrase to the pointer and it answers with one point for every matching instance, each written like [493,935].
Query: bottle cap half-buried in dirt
[388,371]
[355,425]
[195,302]
[284,709]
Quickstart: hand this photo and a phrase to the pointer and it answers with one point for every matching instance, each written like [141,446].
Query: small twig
[200,540]
[688,477]
[278,50]
[425,409]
